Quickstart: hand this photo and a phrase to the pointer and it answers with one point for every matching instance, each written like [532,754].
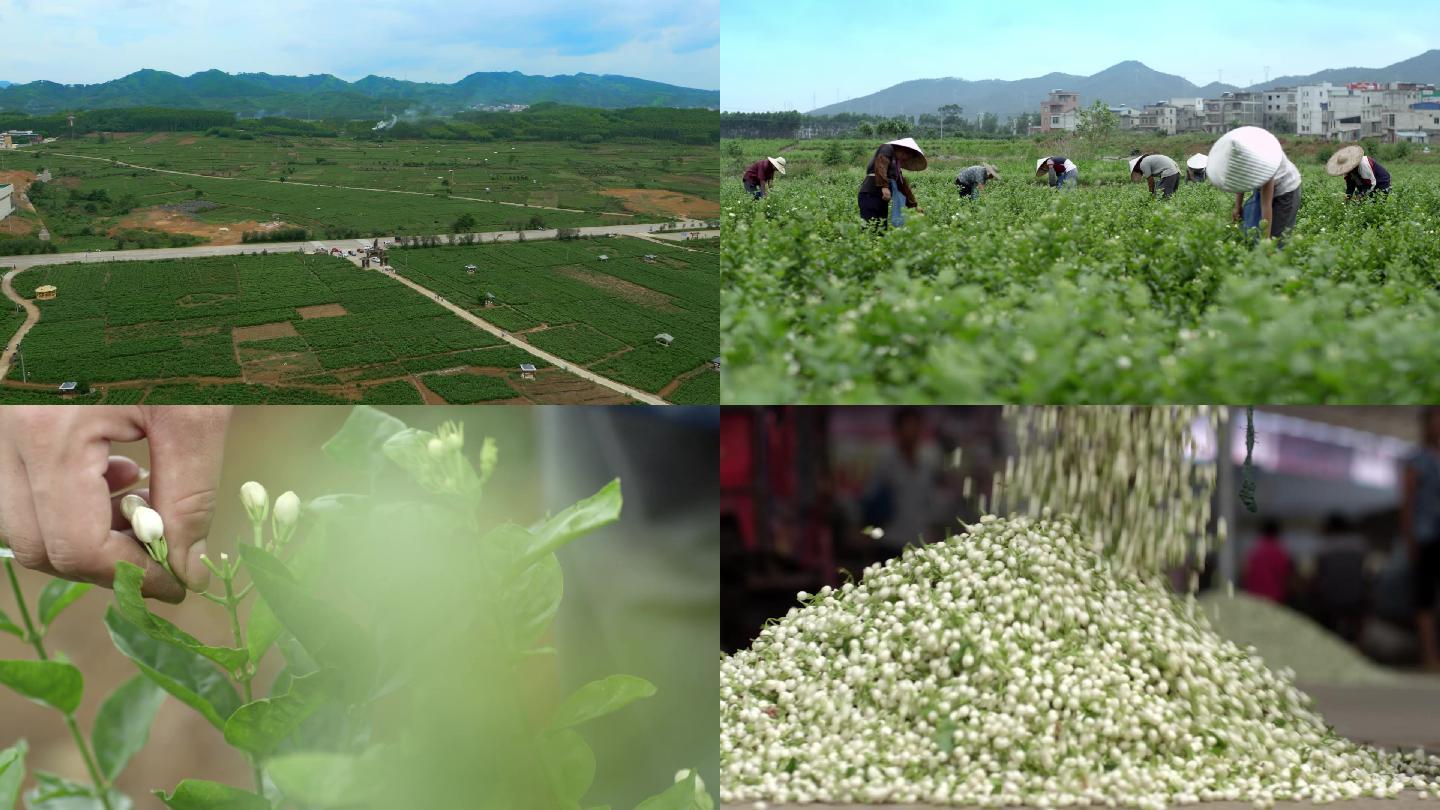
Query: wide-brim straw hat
[1196,161]
[778,163]
[914,162]
[1344,161]
[1244,158]
[992,171]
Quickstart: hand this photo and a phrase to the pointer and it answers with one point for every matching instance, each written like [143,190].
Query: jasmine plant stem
[232,607]
[36,640]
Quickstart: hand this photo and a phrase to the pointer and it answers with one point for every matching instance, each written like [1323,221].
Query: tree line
[947,121]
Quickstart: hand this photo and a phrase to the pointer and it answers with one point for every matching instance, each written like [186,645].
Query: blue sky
[88,41]
[781,56]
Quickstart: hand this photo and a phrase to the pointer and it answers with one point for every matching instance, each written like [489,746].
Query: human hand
[885,194]
[57,479]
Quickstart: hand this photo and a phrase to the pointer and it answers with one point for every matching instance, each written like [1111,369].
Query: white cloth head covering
[1196,161]
[1133,162]
[778,163]
[1244,158]
[911,163]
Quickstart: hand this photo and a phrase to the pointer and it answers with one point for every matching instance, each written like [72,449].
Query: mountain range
[1128,82]
[326,96]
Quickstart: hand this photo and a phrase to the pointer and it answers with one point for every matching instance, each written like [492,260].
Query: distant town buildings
[501,107]
[1058,110]
[1386,111]
[19,137]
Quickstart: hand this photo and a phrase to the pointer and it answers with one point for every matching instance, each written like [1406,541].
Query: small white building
[527,371]
[6,205]
[664,339]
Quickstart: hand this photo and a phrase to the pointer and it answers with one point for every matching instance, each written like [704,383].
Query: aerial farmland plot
[176,189]
[296,328]
[597,303]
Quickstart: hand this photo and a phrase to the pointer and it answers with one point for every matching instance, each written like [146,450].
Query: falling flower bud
[287,510]
[436,448]
[147,525]
[256,500]
[130,503]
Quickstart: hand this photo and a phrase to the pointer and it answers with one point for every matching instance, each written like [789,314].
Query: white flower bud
[436,448]
[130,503]
[147,525]
[255,499]
[287,510]
[454,441]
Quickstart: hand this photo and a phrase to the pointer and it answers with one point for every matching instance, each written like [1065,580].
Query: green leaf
[131,604]
[683,795]
[599,698]
[532,599]
[51,683]
[123,724]
[12,774]
[198,794]
[190,677]
[7,626]
[52,792]
[570,765]
[59,594]
[324,779]
[260,727]
[359,440]
[598,510]
[326,633]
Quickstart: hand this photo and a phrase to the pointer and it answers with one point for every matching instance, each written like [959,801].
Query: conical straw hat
[1345,160]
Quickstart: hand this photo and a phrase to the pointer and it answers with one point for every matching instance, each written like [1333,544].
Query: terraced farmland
[284,328]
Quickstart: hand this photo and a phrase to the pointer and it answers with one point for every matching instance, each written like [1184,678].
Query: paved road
[114,162]
[23,262]
[32,314]
[584,374]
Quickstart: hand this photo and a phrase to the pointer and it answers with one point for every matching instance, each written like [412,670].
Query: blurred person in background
[761,174]
[1339,586]
[1195,168]
[903,492]
[1420,526]
[1267,565]
[1250,159]
[643,595]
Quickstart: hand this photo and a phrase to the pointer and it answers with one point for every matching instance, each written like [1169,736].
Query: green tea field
[1095,294]
[176,189]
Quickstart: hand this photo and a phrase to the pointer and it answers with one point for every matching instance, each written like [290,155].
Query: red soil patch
[265,331]
[321,311]
[159,137]
[186,141]
[158,219]
[658,201]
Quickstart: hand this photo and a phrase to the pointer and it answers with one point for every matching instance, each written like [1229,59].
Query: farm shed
[70,387]
[715,363]
[527,371]
[490,299]
[664,339]
[45,292]
[604,258]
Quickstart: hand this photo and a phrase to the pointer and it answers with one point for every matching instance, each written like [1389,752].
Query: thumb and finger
[186,448]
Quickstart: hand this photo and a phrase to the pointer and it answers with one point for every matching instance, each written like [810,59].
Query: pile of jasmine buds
[1015,665]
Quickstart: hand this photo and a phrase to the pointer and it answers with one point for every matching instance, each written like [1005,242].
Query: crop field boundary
[115,162]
